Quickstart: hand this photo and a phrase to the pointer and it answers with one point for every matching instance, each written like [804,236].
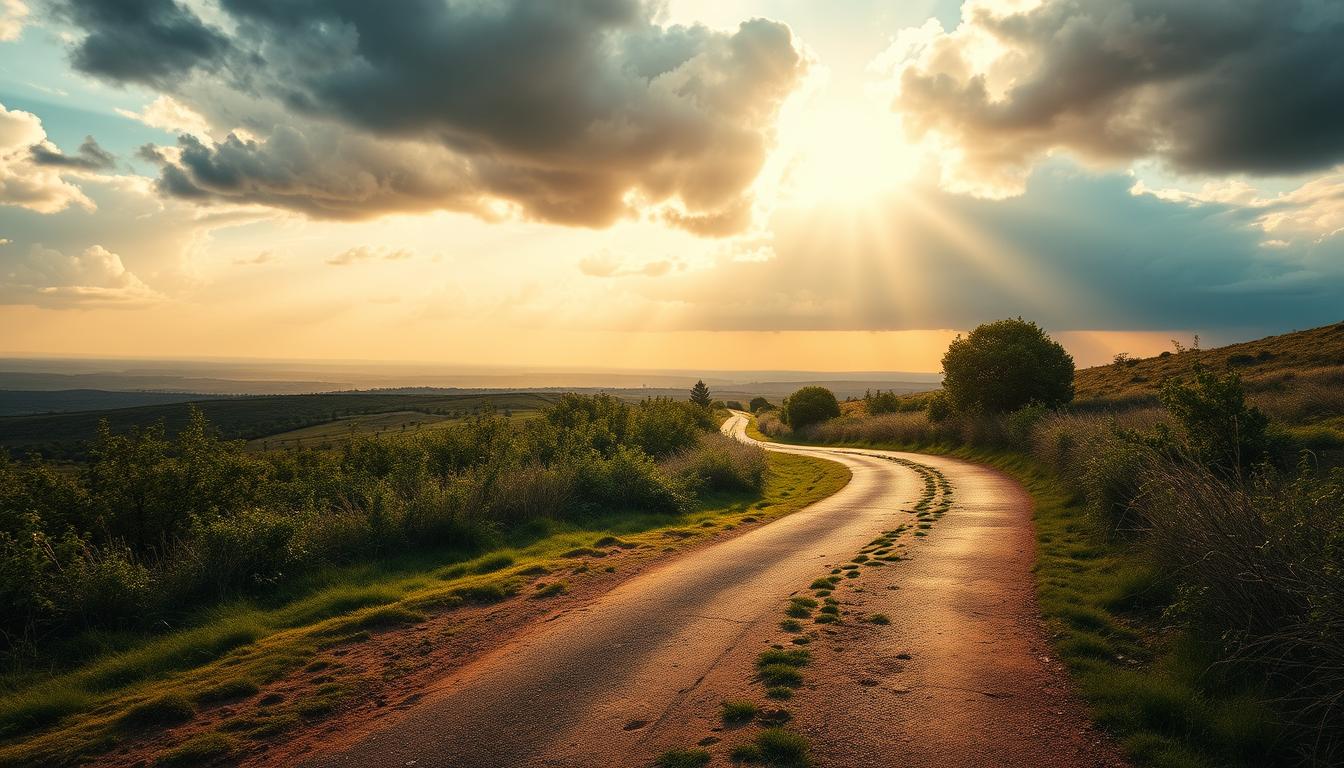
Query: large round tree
[810,405]
[1004,365]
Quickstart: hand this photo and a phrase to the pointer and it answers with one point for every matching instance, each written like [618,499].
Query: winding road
[961,677]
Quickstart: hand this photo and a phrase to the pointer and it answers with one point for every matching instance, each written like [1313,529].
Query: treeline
[151,527]
[1239,530]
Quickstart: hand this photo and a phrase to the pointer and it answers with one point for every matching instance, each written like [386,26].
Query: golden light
[842,151]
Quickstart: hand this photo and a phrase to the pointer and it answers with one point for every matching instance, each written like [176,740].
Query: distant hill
[25,402]
[1262,363]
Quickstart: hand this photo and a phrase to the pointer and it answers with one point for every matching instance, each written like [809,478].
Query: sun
[843,151]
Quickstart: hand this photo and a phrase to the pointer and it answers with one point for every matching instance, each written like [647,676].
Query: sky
[757,184]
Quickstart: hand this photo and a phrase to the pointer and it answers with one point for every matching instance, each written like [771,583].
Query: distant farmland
[66,435]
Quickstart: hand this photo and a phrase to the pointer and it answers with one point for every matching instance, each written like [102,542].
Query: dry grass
[1262,360]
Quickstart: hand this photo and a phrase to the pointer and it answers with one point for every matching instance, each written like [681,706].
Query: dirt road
[961,677]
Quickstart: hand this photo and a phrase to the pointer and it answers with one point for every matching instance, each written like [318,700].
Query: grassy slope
[152,682]
[1257,361]
[1147,687]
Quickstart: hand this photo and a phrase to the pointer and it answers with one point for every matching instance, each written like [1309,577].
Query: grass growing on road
[241,646]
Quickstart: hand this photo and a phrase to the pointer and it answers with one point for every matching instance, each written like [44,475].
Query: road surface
[962,677]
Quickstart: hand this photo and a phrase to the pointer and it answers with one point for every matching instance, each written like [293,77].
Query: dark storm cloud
[1209,86]
[324,174]
[89,157]
[575,111]
[141,41]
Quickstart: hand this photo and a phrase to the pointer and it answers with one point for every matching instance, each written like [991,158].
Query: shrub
[1219,427]
[662,426]
[1004,365]
[719,463]
[1111,479]
[759,404]
[882,402]
[771,425]
[810,405]
[938,407]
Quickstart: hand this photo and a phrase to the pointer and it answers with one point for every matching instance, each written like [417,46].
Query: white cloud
[365,253]
[48,277]
[169,114]
[607,264]
[23,182]
[13,14]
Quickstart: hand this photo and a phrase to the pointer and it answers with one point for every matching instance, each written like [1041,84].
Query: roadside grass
[1144,682]
[224,652]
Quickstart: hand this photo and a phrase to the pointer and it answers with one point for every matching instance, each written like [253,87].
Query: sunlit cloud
[13,15]
[1205,86]
[25,180]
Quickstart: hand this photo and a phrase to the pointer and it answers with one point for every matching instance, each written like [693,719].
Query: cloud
[365,253]
[89,157]
[95,277]
[322,171]
[607,264]
[152,42]
[591,111]
[169,114]
[265,257]
[13,14]
[1067,253]
[25,182]
[1203,86]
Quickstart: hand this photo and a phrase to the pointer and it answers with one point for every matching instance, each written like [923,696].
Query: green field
[65,435]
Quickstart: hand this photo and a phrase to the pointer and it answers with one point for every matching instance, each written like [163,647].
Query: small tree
[759,404]
[700,395]
[810,405]
[1004,365]
[1220,428]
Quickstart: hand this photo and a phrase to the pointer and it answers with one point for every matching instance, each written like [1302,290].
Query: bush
[1005,365]
[759,404]
[1112,482]
[938,407]
[719,463]
[882,402]
[1219,427]
[808,406]
[154,527]
[771,425]
[661,426]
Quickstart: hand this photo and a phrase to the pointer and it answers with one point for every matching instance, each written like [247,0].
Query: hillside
[1263,364]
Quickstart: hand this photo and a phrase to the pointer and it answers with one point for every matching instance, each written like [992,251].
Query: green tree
[1220,428]
[759,404]
[700,395]
[1004,365]
[810,405]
